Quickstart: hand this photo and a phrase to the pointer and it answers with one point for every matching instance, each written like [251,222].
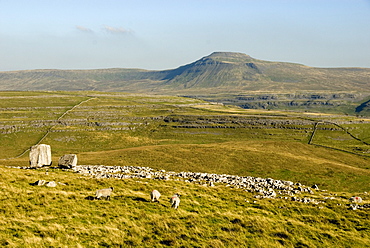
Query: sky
[166,34]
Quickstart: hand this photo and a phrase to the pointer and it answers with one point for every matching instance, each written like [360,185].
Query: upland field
[179,134]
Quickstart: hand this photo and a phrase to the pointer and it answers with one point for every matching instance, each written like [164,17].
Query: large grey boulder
[40,155]
[68,161]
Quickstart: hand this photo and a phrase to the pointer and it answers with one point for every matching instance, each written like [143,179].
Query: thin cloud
[84,29]
[114,30]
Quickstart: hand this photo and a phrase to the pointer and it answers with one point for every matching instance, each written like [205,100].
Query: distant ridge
[217,72]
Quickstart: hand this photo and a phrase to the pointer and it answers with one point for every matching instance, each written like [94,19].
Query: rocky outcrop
[294,101]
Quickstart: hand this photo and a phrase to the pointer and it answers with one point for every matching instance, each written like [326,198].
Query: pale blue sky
[165,34]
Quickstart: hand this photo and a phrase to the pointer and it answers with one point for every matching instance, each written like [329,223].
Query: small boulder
[68,161]
[39,183]
[51,184]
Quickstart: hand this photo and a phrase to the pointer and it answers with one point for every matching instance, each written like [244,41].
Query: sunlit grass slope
[184,134]
[65,216]
[178,134]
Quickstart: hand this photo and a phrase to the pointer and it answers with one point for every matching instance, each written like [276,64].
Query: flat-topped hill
[218,72]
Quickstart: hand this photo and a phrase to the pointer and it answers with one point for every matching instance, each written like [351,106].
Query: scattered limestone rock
[51,184]
[265,187]
[44,183]
[39,183]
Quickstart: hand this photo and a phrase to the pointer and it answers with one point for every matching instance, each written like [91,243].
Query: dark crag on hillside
[230,78]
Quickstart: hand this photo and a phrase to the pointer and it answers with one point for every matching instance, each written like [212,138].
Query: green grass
[140,130]
[37,216]
[281,160]
[124,129]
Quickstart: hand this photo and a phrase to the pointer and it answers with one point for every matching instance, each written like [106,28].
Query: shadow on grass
[90,198]
[134,198]
[141,199]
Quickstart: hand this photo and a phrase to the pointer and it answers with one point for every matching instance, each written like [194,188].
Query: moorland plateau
[234,120]
[230,78]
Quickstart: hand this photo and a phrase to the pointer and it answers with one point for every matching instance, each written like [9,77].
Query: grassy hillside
[179,134]
[186,134]
[38,216]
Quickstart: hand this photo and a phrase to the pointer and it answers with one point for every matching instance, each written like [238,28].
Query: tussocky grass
[65,216]
[336,160]
[208,217]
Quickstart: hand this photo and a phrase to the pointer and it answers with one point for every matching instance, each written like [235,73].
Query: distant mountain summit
[233,72]
[215,70]
[230,57]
